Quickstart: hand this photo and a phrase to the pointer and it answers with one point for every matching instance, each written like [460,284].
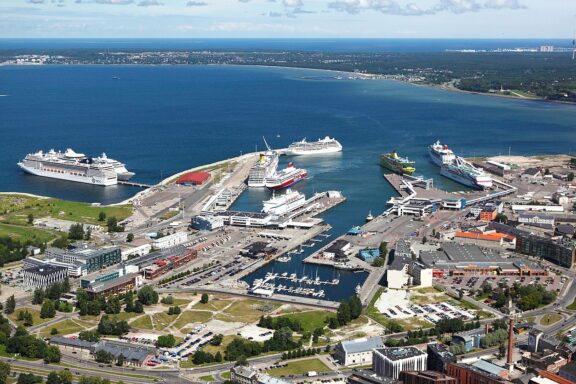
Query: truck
[312,374]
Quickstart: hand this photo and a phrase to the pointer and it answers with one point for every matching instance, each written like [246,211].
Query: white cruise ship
[441,154]
[465,173]
[73,166]
[282,204]
[320,147]
[121,172]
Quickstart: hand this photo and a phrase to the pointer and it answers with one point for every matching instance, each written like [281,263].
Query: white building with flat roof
[358,351]
[170,241]
[389,362]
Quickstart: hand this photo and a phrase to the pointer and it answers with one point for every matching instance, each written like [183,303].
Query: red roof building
[193,178]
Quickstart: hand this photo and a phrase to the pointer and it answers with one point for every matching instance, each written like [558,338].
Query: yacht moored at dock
[320,147]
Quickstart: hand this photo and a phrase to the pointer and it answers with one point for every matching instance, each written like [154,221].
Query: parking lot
[475,283]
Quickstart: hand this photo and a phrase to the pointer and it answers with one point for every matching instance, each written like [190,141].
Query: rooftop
[362,345]
[489,367]
[104,285]
[45,269]
[67,341]
[399,353]
[398,263]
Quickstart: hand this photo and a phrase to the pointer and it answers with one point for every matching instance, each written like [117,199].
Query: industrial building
[134,354]
[439,357]
[465,259]
[425,377]
[390,362]
[43,276]
[366,376]
[337,250]
[537,219]
[160,267]
[358,351]
[258,249]
[245,219]
[468,374]
[568,371]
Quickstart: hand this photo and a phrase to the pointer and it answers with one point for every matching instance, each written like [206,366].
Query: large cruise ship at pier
[441,154]
[465,173]
[264,168]
[76,167]
[320,147]
[282,204]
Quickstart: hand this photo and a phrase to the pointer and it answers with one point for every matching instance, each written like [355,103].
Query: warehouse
[193,178]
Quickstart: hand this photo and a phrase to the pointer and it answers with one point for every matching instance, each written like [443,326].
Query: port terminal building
[358,351]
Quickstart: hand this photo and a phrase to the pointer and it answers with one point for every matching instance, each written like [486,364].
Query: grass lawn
[550,318]
[213,305]
[207,378]
[299,367]
[246,311]
[225,375]
[126,315]
[222,347]
[144,322]
[414,323]
[162,319]
[36,320]
[27,233]
[16,208]
[188,317]
[572,306]
[310,320]
[64,327]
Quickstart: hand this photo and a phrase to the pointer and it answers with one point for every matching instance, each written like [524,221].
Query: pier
[134,184]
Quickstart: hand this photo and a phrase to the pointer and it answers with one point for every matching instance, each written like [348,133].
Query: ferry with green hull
[396,163]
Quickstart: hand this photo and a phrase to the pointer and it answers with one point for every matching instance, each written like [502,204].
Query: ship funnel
[261,158]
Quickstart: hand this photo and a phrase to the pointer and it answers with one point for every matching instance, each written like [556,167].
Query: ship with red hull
[286,177]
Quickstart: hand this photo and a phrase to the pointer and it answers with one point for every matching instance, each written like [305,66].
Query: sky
[287,18]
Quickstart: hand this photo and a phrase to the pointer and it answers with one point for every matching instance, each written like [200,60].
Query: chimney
[486,329]
[510,344]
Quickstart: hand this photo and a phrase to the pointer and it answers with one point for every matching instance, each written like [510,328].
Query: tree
[355,305]
[147,295]
[88,234]
[175,310]
[378,262]
[53,378]
[501,350]
[4,372]
[217,340]
[343,313]
[166,341]
[333,323]
[113,305]
[54,331]
[501,218]
[10,305]
[204,298]
[65,377]
[424,240]
[218,357]
[112,225]
[169,300]
[103,356]
[101,216]
[91,336]
[61,242]
[138,307]
[76,232]
[130,237]
[383,249]
[30,219]
[47,310]
[29,378]
[570,176]
[38,296]
[120,360]
[52,354]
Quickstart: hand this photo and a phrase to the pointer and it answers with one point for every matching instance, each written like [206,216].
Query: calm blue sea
[310,44]
[161,120]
